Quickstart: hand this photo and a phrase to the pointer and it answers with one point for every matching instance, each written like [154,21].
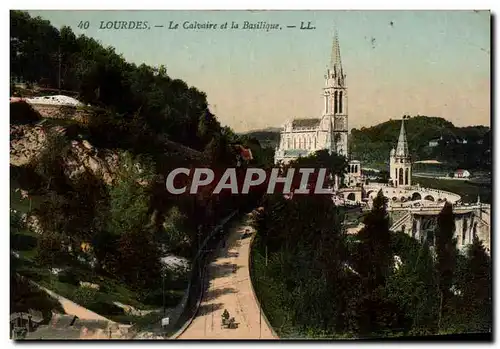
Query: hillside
[373,144]
[88,197]
[268,137]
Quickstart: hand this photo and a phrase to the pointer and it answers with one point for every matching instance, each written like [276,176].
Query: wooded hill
[152,122]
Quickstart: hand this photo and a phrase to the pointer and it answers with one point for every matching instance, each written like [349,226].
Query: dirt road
[230,288]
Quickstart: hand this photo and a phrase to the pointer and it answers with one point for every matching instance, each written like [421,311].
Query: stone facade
[302,137]
[400,161]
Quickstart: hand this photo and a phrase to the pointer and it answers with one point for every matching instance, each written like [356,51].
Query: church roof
[335,60]
[306,122]
[402,148]
[296,152]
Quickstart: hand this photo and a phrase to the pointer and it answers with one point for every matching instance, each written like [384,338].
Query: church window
[340,102]
[335,102]
[407,175]
[464,231]
[401,176]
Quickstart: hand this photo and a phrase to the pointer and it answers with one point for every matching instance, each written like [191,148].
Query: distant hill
[373,144]
[267,137]
[458,146]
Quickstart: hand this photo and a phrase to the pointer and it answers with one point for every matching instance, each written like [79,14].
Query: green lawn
[468,191]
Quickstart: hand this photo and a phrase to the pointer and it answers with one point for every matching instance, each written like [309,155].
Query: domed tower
[400,161]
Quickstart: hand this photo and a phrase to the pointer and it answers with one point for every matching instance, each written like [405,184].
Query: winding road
[229,287]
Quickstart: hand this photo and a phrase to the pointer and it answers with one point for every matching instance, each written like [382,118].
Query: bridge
[410,193]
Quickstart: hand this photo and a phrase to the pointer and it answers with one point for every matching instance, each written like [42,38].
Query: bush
[26,177]
[84,295]
[68,277]
[104,308]
[21,242]
[155,297]
[31,274]
[23,113]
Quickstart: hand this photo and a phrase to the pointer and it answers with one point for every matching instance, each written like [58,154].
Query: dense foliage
[153,123]
[314,281]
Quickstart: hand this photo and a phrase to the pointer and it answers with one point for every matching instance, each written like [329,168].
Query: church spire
[335,61]
[402,148]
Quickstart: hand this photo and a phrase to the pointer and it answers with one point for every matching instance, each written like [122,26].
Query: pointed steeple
[335,61]
[402,148]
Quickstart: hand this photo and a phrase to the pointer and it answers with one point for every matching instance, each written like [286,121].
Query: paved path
[230,288]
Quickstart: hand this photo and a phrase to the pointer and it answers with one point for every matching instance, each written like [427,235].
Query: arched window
[335,102]
[340,102]
[314,142]
[401,176]
[407,176]
[464,231]
[430,238]
[294,143]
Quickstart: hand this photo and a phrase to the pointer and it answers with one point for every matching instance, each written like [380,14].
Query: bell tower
[335,97]
[400,160]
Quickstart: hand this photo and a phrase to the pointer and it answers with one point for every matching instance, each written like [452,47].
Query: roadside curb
[262,313]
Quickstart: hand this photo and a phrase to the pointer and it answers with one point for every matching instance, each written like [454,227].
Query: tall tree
[477,296]
[446,255]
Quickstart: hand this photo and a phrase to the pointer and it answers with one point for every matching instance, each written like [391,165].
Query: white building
[400,161]
[301,137]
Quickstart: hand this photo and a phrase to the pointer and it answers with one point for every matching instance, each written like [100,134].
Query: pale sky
[434,63]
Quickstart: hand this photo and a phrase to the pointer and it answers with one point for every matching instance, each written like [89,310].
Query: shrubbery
[23,113]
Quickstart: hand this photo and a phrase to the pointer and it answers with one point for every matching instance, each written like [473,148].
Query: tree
[374,261]
[49,164]
[138,259]
[446,255]
[129,197]
[375,249]
[477,295]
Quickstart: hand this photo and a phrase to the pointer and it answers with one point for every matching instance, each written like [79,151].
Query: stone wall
[80,114]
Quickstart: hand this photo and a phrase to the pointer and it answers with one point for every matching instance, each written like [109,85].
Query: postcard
[250,175]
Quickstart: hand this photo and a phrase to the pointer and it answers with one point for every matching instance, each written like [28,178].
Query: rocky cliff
[27,142]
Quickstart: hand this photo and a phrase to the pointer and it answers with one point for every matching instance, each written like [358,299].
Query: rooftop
[306,122]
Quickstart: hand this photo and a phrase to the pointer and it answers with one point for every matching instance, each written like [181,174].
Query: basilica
[302,137]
